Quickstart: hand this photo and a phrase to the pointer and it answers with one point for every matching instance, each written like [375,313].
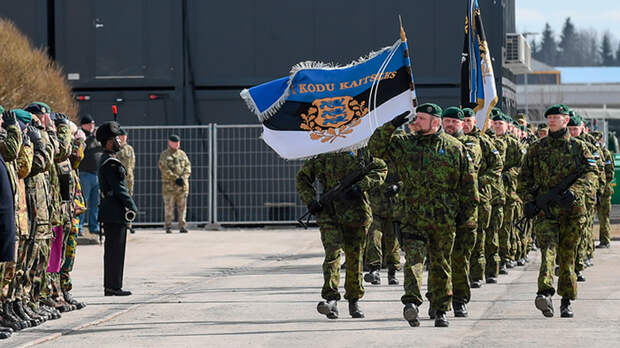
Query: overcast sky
[600,15]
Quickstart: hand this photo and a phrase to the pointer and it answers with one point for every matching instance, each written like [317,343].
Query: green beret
[23,115]
[123,131]
[467,112]
[543,126]
[47,107]
[1,109]
[515,123]
[500,117]
[496,112]
[557,109]
[174,138]
[453,112]
[575,121]
[429,108]
[509,119]
[520,116]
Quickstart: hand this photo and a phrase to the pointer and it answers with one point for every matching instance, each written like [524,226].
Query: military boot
[491,280]
[503,268]
[328,309]
[373,277]
[7,320]
[509,264]
[354,309]
[580,277]
[441,320]
[5,334]
[431,311]
[168,230]
[565,309]
[603,246]
[545,305]
[460,310]
[18,308]
[69,298]
[183,230]
[410,313]
[476,284]
[7,308]
[521,262]
[392,280]
[32,313]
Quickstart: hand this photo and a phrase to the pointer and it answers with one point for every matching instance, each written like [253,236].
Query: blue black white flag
[477,80]
[323,108]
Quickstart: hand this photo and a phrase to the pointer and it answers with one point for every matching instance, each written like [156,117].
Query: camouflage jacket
[552,159]
[598,186]
[512,165]
[490,171]
[439,181]
[610,171]
[330,169]
[498,192]
[174,164]
[128,158]
[381,204]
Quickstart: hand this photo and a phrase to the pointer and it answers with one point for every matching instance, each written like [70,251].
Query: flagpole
[403,38]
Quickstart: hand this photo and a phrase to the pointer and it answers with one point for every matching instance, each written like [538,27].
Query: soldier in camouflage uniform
[128,158]
[604,207]
[465,239]
[175,171]
[498,200]
[343,223]
[490,172]
[513,157]
[546,164]
[440,194]
[543,130]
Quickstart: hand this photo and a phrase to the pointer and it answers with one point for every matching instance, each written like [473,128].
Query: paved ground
[259,288]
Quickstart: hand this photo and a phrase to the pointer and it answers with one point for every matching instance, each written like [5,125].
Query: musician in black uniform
[116,208]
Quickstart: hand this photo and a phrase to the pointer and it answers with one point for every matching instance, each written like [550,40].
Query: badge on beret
[429,109]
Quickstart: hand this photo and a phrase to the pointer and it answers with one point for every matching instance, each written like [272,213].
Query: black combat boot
[441,320]
[18,308]
[392,280]
[603,246]
[373,277]
[8,321]
[521,262]
[460,310]
[7,308]
[510,264]
[431,311]
[32,313]
[565,309]
[476,284]
[410,313]
[491,280]
[328,309]
[69,298]
[580,277]
[354,309]
[544,304]
[502,268]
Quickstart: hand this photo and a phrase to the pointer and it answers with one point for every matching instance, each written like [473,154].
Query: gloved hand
[392,190]
[26,138]
[400,119]
[61,119]
[530,210]
[179,182]
[353,193]
[35,136]
[567,199]
[314,207]
[9,119]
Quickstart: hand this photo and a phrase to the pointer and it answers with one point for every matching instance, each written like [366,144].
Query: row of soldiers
[41,151]
[454,196]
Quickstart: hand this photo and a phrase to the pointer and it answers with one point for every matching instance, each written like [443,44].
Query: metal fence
[236,178]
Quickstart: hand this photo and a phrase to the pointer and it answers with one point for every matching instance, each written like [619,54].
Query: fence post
[214,173]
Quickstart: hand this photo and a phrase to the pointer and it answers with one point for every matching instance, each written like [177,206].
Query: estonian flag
[323,108]
[477,80]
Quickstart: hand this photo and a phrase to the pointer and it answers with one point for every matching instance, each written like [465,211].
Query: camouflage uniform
[174,164]
[510,171]
[440,194]
[128,158]
[498,200]
[546,164]
[604,207]
[490,172]
[343,223]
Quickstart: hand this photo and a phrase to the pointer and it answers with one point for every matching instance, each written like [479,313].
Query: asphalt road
[260,287]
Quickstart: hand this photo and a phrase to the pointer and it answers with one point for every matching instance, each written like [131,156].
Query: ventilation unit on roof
[518,54]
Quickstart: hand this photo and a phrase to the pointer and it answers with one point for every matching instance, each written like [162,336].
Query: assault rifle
[335,193]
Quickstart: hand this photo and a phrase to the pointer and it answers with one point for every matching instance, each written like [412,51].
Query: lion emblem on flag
[331,118]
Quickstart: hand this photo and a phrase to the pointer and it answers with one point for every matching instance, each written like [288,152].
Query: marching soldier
[343,223]
[440,189]
[175,171]
[546,165]
[604,207]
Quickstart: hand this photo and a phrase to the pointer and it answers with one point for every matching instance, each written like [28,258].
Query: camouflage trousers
[559,236]
[427,238]
[381,232]
[172,199]
[335,238]
[7,274]
[22,282]
[519,239]
[464,243]
[69,257]
[584,238]
[506,232]
[491,242]
[38,274]
[603,211]
[478,258]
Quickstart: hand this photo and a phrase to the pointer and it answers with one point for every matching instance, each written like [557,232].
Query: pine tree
[568,45]
[534,48]
[618,55]
[548,47]
[607,56]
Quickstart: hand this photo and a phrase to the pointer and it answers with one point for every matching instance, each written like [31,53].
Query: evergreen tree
[568,45]
[607,55]
[618,55]
[548,46]
[534,48]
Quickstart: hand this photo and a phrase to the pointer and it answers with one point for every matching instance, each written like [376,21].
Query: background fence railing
[236,178]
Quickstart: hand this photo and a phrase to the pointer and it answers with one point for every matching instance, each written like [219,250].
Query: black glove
[35,136]
[314,207]
[400,119]
[353,193]
[179,182]
[25,139]
[598,199]
[530,210]
[392,190]
[566,200]
[9,119]
[61,119]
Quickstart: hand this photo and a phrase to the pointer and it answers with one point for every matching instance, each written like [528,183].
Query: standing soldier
[439,186]
[128,158]
[175,171]
[557,226]
[604,207]
[489,173]
[343,223]
[114,210]
[543,130]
